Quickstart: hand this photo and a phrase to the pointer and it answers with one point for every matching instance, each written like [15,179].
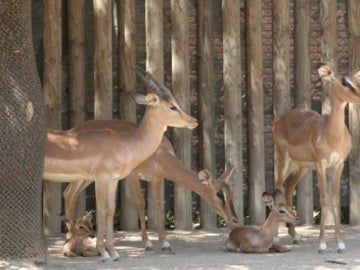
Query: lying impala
[80,238]
[260,239]
[305,140]
[162,164]
[105,156]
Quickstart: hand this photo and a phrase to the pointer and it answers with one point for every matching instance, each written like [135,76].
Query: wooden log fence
[269,52]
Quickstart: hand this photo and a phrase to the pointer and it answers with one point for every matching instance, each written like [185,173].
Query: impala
[162,164]
[105,156]
[260,239]
[306,140]
[80,239]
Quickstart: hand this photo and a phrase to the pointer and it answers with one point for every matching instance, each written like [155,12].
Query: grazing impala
[260,239]
[162,164]
[105,156]
[305,140]
[80,239]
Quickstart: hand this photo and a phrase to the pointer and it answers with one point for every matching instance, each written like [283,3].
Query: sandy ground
[205,250]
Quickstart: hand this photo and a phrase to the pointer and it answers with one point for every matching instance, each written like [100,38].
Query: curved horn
[154,83]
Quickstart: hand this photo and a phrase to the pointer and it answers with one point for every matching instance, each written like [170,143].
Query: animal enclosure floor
[201,249]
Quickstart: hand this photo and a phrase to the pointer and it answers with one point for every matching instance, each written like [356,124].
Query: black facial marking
[348,85]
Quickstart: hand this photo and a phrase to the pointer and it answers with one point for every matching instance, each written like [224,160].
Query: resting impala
[162,164]
[260,239]
[105,156]
[305,140]
[80,238]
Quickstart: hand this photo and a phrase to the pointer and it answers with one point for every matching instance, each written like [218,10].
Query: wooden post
[232,100]
[127,81]
[52,92]
[181,89]
[206,99]
[154,65]
[328,55]
[102,59]
[76,32]
[304,191]
[354,113]
[256,147]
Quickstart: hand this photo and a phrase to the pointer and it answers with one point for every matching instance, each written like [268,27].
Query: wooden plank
[154,65]
[255,102]
[76,79]
[127,81]
[181,90]
[52,94]
[206,99]
[328,45]
[304,191]
[103,59]
[354,113]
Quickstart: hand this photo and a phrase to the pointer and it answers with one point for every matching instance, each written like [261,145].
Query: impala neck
[271,224]
[335,126]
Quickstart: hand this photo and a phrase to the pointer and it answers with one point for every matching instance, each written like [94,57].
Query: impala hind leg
[336,205]
[321,178]
[135,187]
[290,185]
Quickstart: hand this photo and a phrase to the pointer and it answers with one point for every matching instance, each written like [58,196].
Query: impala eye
[220,194]
[281,211]
[173,108]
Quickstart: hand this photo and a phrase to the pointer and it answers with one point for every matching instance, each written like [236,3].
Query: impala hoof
[115,257]
[105,257]
[341,248]
[296,242]
[166,247]
[149,246]
[322,251]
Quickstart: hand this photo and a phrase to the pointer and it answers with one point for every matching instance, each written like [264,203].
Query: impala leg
[134,183]
[71,193]
[157,197]
[321,178]
[111,206]
[336,204]
[282,165]
[290,186]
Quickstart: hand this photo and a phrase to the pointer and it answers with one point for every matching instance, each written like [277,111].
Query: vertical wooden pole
[304,191]
[256,113]
[181,90]
[76,32]
[154,65]
[52,92]
[328,42]
[103,59]
[206,99]
[232,99]
[354,113]
[127,81]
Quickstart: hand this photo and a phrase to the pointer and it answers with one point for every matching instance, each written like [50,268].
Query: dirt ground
[200,249]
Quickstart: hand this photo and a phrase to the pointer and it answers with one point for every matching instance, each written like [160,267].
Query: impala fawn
[260,239]
[80,239]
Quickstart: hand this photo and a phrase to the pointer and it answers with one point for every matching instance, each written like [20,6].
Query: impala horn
[160,89]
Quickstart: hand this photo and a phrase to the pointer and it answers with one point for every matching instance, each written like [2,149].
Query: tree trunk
[52,90]
[181,90]
[22,133]
[256,148]
[354,114]
[127,81]
[304,191]
[206,99]
[154,65]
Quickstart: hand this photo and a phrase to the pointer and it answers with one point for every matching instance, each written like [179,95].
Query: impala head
[81,227]
[279,209]
[161,100]
[220,198]
[345,89]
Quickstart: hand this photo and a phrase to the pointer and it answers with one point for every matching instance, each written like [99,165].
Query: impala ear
[226,175]
[326,73]
[88,216]
[152,99]
[205,177]
[268,200]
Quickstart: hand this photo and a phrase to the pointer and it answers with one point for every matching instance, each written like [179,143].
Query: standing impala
[162,164]
[306,140]
[105,156]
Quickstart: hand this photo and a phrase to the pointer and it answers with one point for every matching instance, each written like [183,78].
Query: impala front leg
[336,203]
[321,178]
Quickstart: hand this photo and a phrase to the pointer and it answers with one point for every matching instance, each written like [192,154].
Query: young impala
[260,239]
[80,239]
[162,164]
[306,140]
[105,156]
